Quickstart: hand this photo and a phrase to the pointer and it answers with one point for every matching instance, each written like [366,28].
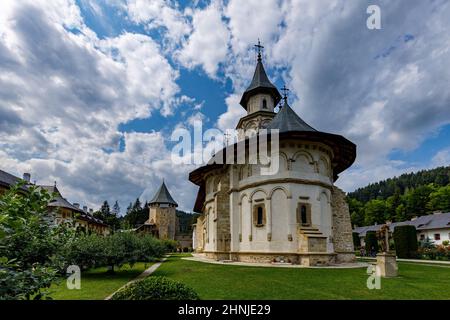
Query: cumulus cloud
[208,43]
[441,158]
[230,118]
[159,13]
[63,94]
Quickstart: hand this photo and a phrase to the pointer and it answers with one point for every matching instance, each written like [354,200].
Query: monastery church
[296,215]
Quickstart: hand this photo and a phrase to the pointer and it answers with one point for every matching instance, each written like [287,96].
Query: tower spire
[260,82]
[259,48]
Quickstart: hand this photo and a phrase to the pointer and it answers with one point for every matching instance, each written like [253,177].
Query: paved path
[428,262]
[200,258]
[144,274]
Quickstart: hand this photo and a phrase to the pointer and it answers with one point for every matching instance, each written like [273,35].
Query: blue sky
[92,90]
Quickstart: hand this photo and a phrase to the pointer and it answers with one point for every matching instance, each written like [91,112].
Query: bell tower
[259,99]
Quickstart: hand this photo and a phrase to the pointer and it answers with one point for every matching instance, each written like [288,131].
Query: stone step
[316,235]
[226,261]
[307,228]
[310,232]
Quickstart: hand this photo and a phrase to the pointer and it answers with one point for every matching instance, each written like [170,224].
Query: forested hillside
[400,198]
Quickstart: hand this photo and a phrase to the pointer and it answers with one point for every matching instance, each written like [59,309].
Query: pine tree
[116,209]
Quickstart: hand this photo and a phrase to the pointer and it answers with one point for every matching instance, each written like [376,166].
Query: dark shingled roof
[8,180]
[260,83]
[427,222]
[290,126]
[163,196]
[287,120]
[58,201]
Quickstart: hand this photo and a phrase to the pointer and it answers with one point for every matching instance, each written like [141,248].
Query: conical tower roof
[260,84]
[287,120]
[163,196]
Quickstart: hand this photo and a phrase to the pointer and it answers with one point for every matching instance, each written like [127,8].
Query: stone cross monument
[386,261]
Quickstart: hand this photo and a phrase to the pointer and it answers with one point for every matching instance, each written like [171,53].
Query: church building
[296,215]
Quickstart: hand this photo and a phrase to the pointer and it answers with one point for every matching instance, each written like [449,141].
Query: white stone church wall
[281,200]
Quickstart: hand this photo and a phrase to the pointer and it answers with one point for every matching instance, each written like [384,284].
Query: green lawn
[212,281]
[96,284]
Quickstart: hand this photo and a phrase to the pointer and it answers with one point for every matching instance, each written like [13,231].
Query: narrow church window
[260,216]
[304,214]
[264,105]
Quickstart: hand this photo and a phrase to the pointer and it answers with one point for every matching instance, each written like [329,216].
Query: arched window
[264,104]
[259,215]
[259,218]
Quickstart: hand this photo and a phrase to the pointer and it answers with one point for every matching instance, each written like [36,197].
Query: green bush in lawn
[156,288]
[171,245]
[371,241]
[356,240]
[405,240]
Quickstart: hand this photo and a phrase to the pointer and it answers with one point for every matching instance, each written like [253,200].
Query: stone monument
[386,261]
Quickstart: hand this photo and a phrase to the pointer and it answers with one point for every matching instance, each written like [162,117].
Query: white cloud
[230,119]
[207,45]
[441,158]
[253,19]
[63,95]
[159,13]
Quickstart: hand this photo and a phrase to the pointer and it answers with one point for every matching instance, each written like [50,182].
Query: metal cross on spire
[285,93]
[259,48]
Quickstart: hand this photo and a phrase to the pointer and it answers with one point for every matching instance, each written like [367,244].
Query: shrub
[405,240]
[156,288]
[152,248]
[171,245]
[114,250]
[29,245]
[371,241]
[435,253]
[356,240]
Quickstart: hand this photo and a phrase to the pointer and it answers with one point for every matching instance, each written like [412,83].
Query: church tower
[163,213]
[260,99]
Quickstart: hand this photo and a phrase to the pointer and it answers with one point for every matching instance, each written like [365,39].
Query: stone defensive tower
[163,213]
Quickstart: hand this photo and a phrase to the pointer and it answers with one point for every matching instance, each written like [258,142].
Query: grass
[212,281]
[97,284]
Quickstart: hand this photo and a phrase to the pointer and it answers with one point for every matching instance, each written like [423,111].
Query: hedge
[371,241]
[356,240]
[405,239]
[156,288]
